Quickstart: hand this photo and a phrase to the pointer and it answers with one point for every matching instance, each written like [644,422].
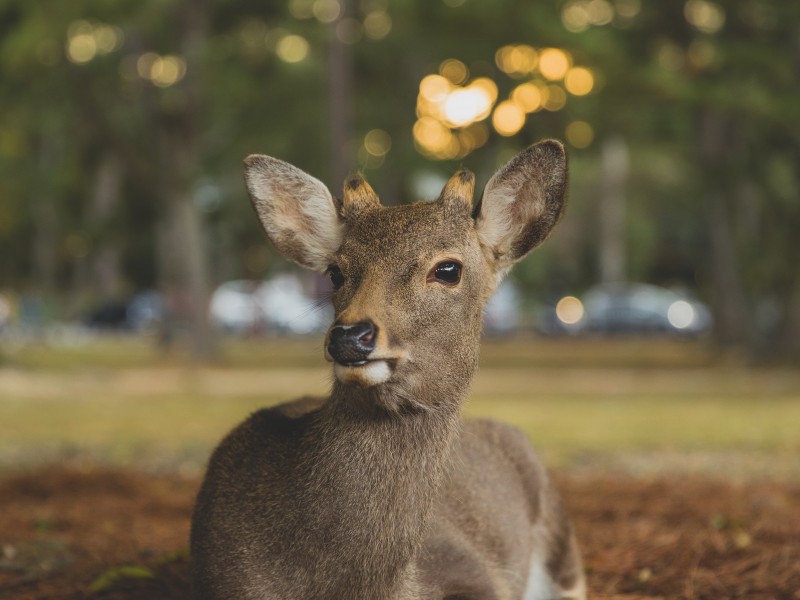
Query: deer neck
[371,477]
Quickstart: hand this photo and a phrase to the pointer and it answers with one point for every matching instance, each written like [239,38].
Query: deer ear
[296,210]
[522,202]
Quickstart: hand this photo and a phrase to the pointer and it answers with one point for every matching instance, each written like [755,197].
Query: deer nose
[351,344]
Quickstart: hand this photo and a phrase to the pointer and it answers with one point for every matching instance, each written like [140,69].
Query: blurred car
[280,304]
[502,312]
[633,308]
[140,312]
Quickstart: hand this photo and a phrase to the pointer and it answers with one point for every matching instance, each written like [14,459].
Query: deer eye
[336,275]
[447,272]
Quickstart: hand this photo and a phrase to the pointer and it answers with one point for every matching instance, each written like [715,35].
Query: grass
[583,402]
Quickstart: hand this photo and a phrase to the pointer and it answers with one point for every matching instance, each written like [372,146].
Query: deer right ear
[296,210]
[522,203]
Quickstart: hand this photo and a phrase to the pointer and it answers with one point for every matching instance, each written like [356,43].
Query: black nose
[351,344]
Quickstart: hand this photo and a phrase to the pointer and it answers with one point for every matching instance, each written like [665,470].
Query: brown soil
[63,529]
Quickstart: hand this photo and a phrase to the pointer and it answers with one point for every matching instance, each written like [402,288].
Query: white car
[279,304]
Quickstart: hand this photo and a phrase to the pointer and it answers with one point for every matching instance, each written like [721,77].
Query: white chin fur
[372,373]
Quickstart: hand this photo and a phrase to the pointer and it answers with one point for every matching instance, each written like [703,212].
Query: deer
[381,490]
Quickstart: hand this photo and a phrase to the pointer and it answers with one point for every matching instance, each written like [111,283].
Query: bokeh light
[528,96]
[680,314]
[454,71]
[556,98]
[450,107]
[301,9]
[554,63]
[579,134]
[377,24]
[167,70]
[292,48]
[377,142]
[464,106]
[579,15]
[517,60]
[579,81]
[86,40]
[508,118]
[569,310]
[449,113]
[326,11]
[708,17]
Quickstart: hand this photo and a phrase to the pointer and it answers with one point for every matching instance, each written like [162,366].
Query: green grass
[121,401]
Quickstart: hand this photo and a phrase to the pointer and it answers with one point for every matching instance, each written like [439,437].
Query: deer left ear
[522,203]
[296,210]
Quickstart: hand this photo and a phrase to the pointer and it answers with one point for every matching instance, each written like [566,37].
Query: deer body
[380,491]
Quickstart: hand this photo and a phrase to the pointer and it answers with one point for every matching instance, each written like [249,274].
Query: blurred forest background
[124,124]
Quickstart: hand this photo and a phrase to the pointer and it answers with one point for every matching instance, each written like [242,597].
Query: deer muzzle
[352,348]
[351,345]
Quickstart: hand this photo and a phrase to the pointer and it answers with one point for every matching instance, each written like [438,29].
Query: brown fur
[380,491]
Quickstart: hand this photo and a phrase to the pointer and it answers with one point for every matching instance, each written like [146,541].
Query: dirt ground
[70,533]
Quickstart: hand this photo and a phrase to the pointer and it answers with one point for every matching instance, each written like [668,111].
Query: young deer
[380,491]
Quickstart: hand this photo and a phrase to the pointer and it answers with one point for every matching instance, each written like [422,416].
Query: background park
[141,305]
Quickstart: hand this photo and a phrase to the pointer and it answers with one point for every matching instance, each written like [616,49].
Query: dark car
[634,308]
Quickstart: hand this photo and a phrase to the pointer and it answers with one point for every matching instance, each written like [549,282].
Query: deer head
[410,282]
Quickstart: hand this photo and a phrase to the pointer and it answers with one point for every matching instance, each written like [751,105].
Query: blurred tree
[124,124]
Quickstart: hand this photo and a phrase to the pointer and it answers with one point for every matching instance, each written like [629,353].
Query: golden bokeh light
[600,12]
[575,17]
[431,134]
[556,98]
[579,134]
[554,63]
[107,38]
[708,17]
[434,88]
[292,48]
[579,81]
[474,136]
[454,71]
[516,60]
[326,11]
[508,118]
[488,87]
[466,105]
[451,108]
[579,15]
[167,70]
[81,48]
[87,39]
[377,142]
[628,9]
[377,24]
[527,96]
[569,310]
[145,63]
[301,9]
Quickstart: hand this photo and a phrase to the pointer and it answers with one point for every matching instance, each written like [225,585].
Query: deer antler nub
[358,196]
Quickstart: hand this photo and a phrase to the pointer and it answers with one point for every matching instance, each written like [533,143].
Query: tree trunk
[613,240]
[728,298]
[105,279]
[45,222]
[340,90]
[182,251]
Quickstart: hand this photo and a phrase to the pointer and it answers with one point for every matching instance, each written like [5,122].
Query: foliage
[175,93]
